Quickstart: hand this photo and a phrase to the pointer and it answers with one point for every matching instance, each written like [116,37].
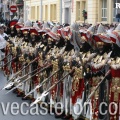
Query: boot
[25,98]
[53,109]
[20,94]
[15,91]
[67,117]
[82,118]
[59,115]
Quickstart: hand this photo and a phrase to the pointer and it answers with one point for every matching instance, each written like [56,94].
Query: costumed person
[69,34]
[28,85]
[52,38]
[99,67]
[25,31]
[80,86]
[66,34]
[12,24]
[18,27]
[114,62]
[34,38]
[42,32]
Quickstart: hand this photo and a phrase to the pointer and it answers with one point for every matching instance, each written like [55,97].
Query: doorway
[115,10]
[67,15]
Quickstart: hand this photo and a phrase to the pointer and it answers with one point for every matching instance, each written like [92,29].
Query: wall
[70,10]
[34,14]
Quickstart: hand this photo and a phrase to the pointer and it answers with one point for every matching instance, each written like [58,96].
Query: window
[80,6]
[33,12]
[38,12]
[84,4]
[43,12]
[46,12]
[53,12]
[104,10]
[83,8]
[77,10]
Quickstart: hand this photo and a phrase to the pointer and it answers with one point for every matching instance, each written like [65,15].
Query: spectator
[2,40]
[2,32]
[118,17]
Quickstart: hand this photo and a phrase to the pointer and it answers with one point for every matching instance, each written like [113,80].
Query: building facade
[5,8]
[69,11]
[102,11]
[45,10]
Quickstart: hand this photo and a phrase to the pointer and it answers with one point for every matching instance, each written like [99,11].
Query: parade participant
[65,32]
[51,24]
[26,35]
[25,31]
[24,66]
[19,65]
[42,33]
[12,26]
[18,27]
[60,52]
[114,62]
[6,27]
[70,40]
[67,87]
[80,92]
[22,48]
[35,79]
[38,78]
[34,38]
[37,25]
[16,65]
[76,41]
[13,53]
[51,38]
[29,56]
[60,43]
[13,41]
[53,87]
[53,35]
[99,68]
[57,92]
[19,32]
[48,73]
[87,35]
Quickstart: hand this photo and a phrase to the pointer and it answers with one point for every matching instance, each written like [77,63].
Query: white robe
[2,45]
[3,42]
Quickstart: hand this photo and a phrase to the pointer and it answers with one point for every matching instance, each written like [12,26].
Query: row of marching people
[70,65]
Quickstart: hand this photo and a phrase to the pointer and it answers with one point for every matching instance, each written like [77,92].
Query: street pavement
[11,98]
